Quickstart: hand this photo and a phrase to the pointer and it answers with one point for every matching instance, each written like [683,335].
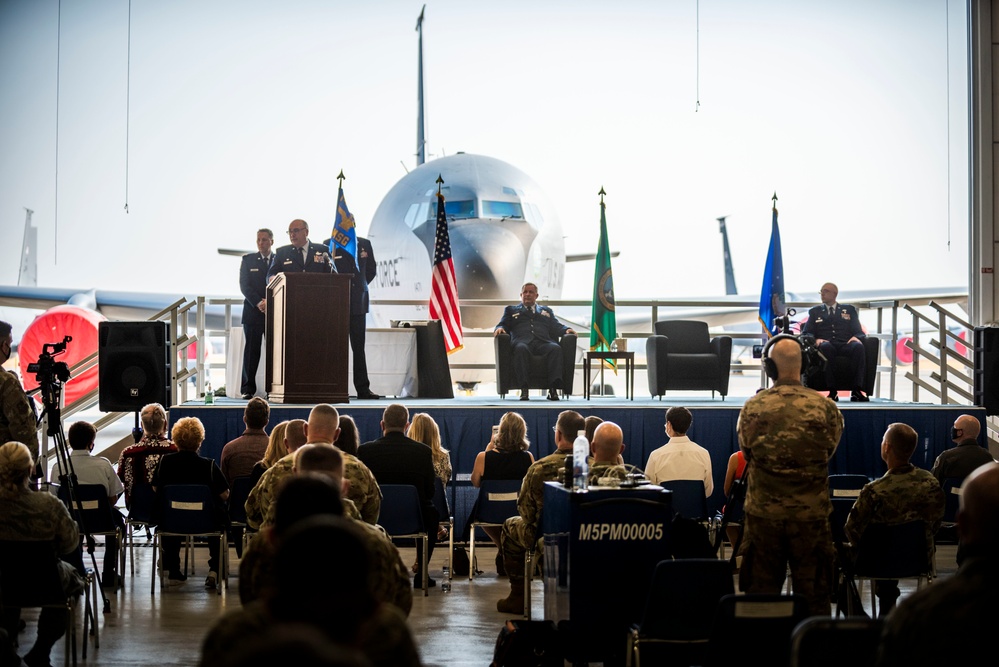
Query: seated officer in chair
[837,332]
[534,330]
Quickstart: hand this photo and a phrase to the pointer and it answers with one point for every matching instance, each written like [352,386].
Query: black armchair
[681,355]
[505,380]
[816,378]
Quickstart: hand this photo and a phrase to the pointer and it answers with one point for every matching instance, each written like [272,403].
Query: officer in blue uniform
[534,330]
[361,273]
[838,333]
[301,256]
[253,285]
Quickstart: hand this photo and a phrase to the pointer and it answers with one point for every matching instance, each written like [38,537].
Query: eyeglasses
[295,230]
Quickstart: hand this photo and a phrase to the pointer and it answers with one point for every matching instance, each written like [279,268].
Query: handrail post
[944,364]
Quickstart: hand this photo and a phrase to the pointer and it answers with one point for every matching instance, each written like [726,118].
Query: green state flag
[603,329]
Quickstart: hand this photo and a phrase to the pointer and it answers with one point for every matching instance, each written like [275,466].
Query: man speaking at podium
[301,256]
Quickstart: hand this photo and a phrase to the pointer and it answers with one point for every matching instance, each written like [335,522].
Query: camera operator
[788,434]
[17,413]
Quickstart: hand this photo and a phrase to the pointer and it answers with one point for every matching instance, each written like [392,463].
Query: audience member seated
[736,469]
[186,467]
[506,457]
[397,459]
[240,455]
[905,493]
[681,457]
[838,333]
[301,499]
[137,463]
[307,591]
[324,428]
[91,469]
[952,621]
[275,450]
[260,503]
[608,448]
[424,429]
[967,455]
[30,515]
[520,532]
[349,439]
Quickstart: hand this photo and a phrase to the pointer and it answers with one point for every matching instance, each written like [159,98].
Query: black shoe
[553,395]
[834,395]
[246,396]
[418,582]
[858,396]
[500,565]
[368,396]
[177,577]
[524,395]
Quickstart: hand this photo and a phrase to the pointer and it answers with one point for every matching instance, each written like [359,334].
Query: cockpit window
[502,209]
[455,210]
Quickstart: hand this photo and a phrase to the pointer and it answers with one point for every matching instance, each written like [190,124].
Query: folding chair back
[188,510]
[688,498]
[762,622]
[402,516]
[497,502]
[831,642]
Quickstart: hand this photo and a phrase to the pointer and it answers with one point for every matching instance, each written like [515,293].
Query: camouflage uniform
[390,580]
[260,503]
[520,532]
[17,415]
[363,490]
[904,494]
[606,469]
[789,434]
[137,463]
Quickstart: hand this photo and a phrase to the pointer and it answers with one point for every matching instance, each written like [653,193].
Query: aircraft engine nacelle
[50,327]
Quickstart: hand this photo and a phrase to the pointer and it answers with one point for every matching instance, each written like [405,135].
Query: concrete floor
[451,629]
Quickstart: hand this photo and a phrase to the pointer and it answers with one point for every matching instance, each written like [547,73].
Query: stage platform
[466,423]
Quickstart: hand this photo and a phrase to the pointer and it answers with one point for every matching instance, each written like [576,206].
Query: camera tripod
[51,375]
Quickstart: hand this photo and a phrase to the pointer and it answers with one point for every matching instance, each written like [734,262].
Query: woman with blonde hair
[36,516]
[275,451]
[423,428]
[506,456]
[186,466]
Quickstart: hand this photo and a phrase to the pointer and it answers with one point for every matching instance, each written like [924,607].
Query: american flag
[444,298]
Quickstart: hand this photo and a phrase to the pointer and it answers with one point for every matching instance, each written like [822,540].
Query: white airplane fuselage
[503,233]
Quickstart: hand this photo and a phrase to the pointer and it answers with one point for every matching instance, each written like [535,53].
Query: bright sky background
[242,112]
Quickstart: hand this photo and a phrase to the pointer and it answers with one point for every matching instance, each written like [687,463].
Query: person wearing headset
[788,433]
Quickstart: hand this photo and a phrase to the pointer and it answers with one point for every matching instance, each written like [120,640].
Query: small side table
[599,355]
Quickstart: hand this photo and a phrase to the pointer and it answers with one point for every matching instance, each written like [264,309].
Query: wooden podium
[308,335]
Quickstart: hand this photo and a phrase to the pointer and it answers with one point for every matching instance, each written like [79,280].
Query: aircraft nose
[485,257]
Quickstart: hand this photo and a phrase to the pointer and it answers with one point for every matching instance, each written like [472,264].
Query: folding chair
[844,489]
[96,517]
[497,503]
[240,491]
[681,606]
[947,533]
[688,498]
[901,551]
[188,511]
[29,578]
[447,520]
[402,517]
[831,642]
[762,623]
[141,514]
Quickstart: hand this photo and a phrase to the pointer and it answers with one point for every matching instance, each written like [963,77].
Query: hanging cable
[947,24]
[55,207]
[697,58]
[128,96]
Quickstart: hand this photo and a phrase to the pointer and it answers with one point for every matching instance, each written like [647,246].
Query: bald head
[978,516]
[320,458]
[294,435]
[324,424]
[786,355]
[968,428]
[608,443]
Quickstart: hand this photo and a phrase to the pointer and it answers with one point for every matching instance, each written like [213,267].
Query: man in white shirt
[97,470]
[680,458]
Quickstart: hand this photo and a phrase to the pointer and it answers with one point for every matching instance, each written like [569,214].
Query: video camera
[47,370]
[812,360]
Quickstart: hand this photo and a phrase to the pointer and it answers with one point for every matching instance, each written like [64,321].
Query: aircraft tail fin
[27,274]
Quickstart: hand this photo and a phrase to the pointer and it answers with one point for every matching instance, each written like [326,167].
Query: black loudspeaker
[134,363]
[987,369]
